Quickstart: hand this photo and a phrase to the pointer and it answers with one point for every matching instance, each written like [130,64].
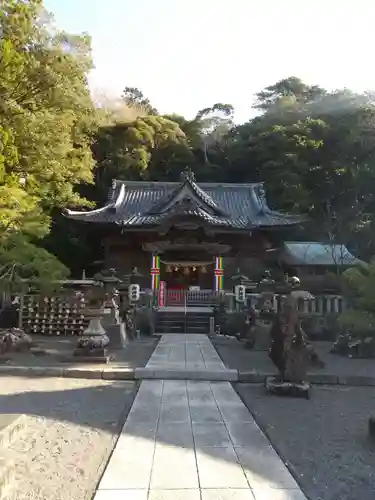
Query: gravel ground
[136,354]
[324,440]
[234,355]
[71,431]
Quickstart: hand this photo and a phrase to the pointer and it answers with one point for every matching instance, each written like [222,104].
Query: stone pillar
[335,304]
[328,303]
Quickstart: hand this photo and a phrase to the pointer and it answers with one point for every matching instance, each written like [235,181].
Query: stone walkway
[190,356]
[193,440]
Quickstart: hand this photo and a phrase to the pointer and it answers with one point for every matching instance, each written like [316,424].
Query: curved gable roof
[136,204]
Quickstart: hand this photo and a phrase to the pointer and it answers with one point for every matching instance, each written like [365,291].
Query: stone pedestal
[92,345]
[262,335]
[117,336]
[281,388]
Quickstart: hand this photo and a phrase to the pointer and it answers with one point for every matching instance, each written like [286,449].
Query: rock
[283,388]
[14,340]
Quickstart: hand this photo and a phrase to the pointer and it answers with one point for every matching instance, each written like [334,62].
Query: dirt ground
[57,351]
[325,440]
[71,430]
[234,355]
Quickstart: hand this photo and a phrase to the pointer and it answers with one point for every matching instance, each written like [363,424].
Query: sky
[186,55]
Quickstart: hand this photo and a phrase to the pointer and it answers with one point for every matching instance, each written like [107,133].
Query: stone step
[222,375]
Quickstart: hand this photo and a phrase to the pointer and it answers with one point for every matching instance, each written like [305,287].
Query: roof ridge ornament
[187,175]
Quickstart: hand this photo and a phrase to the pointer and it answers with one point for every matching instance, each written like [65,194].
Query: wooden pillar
[219,274]
[155,272]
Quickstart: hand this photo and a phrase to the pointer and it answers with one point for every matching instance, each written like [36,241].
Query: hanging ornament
[169,269]
[194,268]
[176,268]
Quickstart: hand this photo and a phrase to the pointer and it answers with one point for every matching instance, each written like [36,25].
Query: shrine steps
[180,322]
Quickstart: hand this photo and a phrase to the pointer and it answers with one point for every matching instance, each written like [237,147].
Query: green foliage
[147,147]
[21,260]
[359,318]
[315,150]
[46,124]
[46,112]
[135,98]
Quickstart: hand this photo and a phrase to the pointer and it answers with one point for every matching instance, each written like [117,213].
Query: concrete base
[280,388]
[117,336]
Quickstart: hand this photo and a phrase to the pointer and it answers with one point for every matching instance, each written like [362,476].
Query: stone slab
[227,494]
[179,494]
[174,468]
[280,494]
[219,468]
[201,457]
[118,374]
[121,495]
[181,374]
[257,466]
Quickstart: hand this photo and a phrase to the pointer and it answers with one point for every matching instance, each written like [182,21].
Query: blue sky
[186,55]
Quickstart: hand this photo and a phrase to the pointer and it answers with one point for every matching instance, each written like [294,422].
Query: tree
[359,318]
[315,152]
[134,97]
[146,148]
[21,260]
[46,123]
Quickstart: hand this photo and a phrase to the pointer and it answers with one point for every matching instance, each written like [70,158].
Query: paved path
[186,357]
[193,440]
[188,352]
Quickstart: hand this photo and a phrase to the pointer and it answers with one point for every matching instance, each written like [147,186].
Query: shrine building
[187,236]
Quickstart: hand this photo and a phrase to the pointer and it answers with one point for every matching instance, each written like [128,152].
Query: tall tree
[135,98]
[46,120]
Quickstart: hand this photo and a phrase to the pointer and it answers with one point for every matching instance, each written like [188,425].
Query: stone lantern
[92,345]
[111,296]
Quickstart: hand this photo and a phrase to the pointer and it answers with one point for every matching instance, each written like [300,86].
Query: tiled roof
[317,254]
[136,204]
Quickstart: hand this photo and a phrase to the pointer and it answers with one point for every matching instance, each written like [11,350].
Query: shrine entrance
[184,275]
[187,283]
[186,272]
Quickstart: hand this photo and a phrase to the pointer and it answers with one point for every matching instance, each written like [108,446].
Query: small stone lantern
[93,343]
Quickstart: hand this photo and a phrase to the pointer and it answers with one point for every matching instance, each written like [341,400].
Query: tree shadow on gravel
[106,407]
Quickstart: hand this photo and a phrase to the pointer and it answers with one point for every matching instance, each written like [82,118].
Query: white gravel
[324,440]
[71,431]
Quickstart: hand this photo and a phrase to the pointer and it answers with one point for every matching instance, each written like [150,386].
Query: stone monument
[289,349]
